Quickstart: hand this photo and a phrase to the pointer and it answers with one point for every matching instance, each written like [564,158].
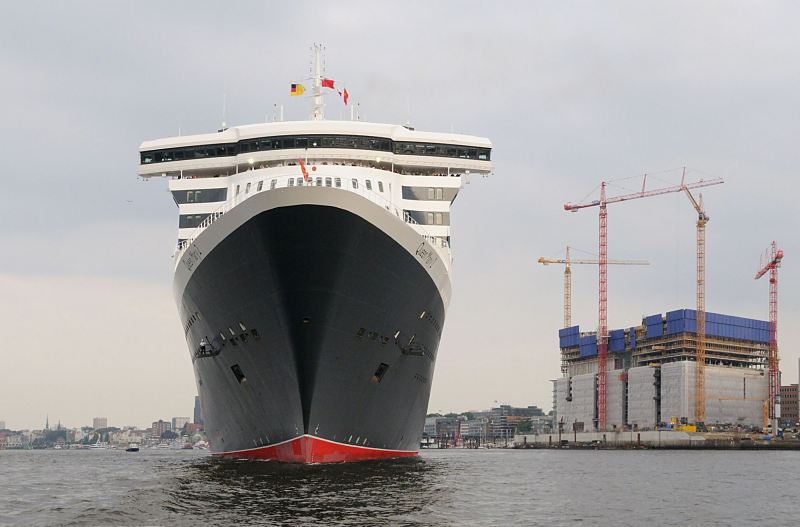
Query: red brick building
[790,411]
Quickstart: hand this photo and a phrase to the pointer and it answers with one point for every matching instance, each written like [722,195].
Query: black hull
[292,318]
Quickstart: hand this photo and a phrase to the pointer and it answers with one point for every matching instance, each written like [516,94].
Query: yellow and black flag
[297,89]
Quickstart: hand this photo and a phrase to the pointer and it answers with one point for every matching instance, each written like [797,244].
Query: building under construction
[651,373]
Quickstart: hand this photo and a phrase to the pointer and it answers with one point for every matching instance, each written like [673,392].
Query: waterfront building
[505,419]
[477,429]
[198,412]
[651,368]
[99,422]
[790,410]
[192,428]
[178,423]
[159,427]
[441,427]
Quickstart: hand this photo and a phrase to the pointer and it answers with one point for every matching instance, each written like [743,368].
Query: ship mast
[316,80]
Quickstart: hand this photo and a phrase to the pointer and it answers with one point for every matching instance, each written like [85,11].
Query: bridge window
[368,184]
[190,221]
[429,193]
[313,141]
[206,195]
[355,183]
[272,184]
[260,186]
[328,182]
[428,217]
[247,188]
[291,181]
[337,182]
[380,186]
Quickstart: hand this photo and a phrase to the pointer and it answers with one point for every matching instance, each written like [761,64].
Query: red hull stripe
[310,449]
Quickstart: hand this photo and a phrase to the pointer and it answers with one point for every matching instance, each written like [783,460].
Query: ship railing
[370,194]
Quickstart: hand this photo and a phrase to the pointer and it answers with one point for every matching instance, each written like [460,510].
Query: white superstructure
[414,175]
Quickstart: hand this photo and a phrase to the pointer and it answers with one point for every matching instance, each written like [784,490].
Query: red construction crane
[771,262]
[568,277]
[602,330]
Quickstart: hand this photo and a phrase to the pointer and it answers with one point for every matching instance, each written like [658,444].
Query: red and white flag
[303,169]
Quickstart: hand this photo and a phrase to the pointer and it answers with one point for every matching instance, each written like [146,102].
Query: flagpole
[317,113]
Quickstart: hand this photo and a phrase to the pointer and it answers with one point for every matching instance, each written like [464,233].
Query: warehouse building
[651,373]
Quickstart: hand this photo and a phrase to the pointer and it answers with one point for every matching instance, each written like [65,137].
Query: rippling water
[440,488]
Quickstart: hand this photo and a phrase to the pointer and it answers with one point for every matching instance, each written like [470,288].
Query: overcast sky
[570,93]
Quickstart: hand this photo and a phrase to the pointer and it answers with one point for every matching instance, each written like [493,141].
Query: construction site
[687,372]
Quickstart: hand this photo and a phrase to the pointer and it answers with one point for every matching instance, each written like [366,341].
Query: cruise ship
[312,278]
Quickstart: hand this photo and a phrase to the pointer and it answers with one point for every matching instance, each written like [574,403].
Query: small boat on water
[133,447]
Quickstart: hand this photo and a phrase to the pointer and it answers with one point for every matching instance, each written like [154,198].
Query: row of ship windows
[328,182]
[315,141]
[211,195]
[190,221]
[440,241]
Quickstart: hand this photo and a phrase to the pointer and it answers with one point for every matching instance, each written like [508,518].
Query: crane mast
[602,331]
[602,328]
[700,357]
[774,256]
[567,294]
[567,262]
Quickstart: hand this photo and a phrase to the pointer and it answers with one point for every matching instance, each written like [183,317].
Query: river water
[440,488]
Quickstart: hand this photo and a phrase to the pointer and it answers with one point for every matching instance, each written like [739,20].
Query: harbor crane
[771,261]
[568,276]
[700,357]
[602,330]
